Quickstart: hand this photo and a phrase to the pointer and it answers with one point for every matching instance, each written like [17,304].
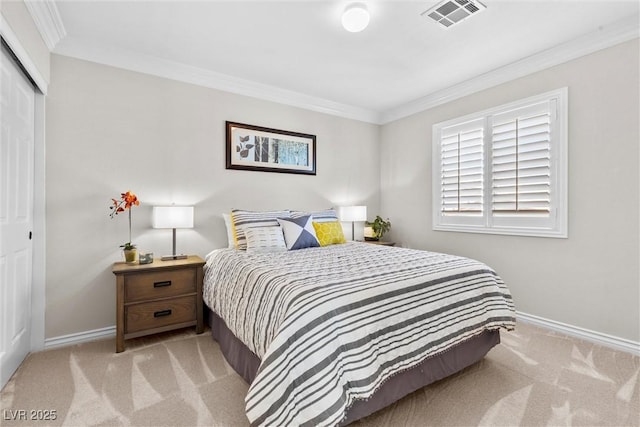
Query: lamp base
[172,257]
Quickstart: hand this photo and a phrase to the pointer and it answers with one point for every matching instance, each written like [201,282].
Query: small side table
[157,297]
[380,242]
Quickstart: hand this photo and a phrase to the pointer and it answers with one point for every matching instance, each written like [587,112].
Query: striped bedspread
[331,324]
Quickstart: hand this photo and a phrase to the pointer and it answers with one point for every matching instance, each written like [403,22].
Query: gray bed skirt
[246,364]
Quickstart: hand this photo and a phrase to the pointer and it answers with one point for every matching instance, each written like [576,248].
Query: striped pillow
[241,220]
[265,239]
[326,215]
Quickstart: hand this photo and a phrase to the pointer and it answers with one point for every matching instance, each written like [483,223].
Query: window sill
[505,231]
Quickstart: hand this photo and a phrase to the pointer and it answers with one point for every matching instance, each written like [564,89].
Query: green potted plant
[378,227]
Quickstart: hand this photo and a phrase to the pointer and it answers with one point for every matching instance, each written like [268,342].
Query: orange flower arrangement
[127,201]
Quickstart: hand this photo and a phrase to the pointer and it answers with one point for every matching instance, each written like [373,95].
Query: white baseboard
[80,337]
[585,334]
[574,331]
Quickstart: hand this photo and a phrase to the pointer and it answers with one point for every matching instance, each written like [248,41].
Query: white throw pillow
[227,224]
[265,239]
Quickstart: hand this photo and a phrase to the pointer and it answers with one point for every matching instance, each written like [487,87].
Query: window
[504,170]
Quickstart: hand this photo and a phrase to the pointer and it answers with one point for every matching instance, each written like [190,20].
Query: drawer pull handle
[162,284]
[162,313]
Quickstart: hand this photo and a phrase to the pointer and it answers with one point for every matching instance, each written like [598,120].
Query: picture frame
[257,148]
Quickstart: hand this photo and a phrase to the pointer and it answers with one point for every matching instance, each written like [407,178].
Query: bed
[328,335]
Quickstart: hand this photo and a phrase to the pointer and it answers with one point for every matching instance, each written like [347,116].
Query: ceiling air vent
[450,12]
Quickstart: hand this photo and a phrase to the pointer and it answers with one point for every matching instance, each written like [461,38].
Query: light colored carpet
[534,378]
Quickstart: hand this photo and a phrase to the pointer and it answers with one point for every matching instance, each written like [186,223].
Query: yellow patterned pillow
[329,233]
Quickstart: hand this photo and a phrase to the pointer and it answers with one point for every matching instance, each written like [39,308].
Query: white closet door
[17,126]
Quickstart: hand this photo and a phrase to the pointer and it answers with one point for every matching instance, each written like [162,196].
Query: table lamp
[353,214]
[173,217]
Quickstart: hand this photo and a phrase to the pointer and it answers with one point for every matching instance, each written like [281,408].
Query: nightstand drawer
[160,313]
[160,284]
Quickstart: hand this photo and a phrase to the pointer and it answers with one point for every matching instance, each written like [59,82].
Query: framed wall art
[263,149]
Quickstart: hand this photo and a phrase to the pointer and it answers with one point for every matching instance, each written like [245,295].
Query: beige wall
[111,130]
[21,23]
[590,280]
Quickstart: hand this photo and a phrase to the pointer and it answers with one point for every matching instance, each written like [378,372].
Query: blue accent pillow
[299,232]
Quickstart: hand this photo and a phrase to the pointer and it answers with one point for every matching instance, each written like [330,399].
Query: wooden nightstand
[380,242]
[157,297]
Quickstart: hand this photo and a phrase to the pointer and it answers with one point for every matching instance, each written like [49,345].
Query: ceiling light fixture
[355,17]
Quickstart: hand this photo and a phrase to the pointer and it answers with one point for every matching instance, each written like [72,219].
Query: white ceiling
[298,51]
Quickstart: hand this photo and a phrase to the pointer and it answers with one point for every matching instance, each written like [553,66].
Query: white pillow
[265,239]
[227,223]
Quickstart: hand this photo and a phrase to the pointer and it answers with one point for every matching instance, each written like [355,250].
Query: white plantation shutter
[521,161]
[462,167]
[504,170]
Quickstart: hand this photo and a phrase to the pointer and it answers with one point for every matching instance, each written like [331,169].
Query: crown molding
[606,36]
[152,65]
[47,19]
